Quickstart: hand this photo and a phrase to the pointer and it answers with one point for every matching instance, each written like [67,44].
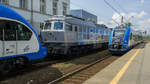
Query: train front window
[58,25]
[23,33]
[119,33]
[47,26]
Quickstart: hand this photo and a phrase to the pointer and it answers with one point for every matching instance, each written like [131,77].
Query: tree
[128,24]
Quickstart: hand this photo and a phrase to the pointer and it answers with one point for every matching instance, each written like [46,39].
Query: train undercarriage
[72,49]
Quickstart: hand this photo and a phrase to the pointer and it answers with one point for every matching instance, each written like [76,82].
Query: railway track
[80,75]
[48,72]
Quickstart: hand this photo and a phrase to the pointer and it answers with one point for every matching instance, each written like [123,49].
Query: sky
[135,11]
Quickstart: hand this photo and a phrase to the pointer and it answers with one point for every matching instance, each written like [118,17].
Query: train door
[9,39]
[1,39]
[25,42]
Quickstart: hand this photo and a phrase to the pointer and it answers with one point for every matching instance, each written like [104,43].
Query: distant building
[36,11]
[85,15]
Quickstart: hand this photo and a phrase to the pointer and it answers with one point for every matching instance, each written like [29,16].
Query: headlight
[123,47]
[126,41]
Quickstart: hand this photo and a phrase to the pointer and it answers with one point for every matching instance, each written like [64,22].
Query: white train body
[67,32]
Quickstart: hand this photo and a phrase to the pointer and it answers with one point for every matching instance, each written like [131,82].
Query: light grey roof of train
[77,21]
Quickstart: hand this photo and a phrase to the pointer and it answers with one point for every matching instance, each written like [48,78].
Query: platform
[131,68]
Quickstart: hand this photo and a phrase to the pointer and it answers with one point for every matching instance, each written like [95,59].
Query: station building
[85,15]
[37,11]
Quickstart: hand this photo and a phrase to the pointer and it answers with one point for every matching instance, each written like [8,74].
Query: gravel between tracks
[43,75]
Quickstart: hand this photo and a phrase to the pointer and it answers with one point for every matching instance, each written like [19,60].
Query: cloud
[128,16]
[118,17]
[137,15]
[142,1]
[144,25]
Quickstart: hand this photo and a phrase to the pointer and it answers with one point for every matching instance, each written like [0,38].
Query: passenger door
[24,44]
[9,39]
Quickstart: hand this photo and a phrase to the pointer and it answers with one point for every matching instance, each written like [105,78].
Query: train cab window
[23,32]
[47,26]
[10,32]
[118,33]
[58,25]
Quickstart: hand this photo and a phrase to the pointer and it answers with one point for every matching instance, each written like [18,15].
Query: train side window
[10,32]
[1,34]
[76,28]
[91,30]
[1,29]
[23,32]
[69,27]
[47,26]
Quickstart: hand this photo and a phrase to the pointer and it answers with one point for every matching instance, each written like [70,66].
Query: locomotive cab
[53,26]
[53,31]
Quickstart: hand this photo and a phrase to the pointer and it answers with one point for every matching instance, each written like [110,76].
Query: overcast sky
[140,9]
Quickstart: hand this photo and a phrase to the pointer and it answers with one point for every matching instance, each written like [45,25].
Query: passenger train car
[72,35]
[19,42]
[123,38]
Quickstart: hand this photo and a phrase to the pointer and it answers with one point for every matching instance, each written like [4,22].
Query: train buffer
[131,68]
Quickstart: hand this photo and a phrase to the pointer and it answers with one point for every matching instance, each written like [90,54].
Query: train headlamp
[126,41]
[123,47]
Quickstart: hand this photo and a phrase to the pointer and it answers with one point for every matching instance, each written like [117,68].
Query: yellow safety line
[123,70]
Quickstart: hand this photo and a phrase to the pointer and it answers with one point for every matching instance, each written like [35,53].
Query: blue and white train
[72,35]
[123,38]
[19,42]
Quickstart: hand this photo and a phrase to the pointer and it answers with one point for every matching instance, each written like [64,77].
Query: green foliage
[128,24]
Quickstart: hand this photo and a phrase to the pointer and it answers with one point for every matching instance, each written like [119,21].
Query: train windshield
[119,33]
[58,25]
[47,26]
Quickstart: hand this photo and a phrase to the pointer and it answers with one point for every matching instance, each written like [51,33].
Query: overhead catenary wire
[122,8]
[82,7]
[114,9]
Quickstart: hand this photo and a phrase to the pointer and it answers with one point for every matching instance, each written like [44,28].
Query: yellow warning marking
[123,70]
